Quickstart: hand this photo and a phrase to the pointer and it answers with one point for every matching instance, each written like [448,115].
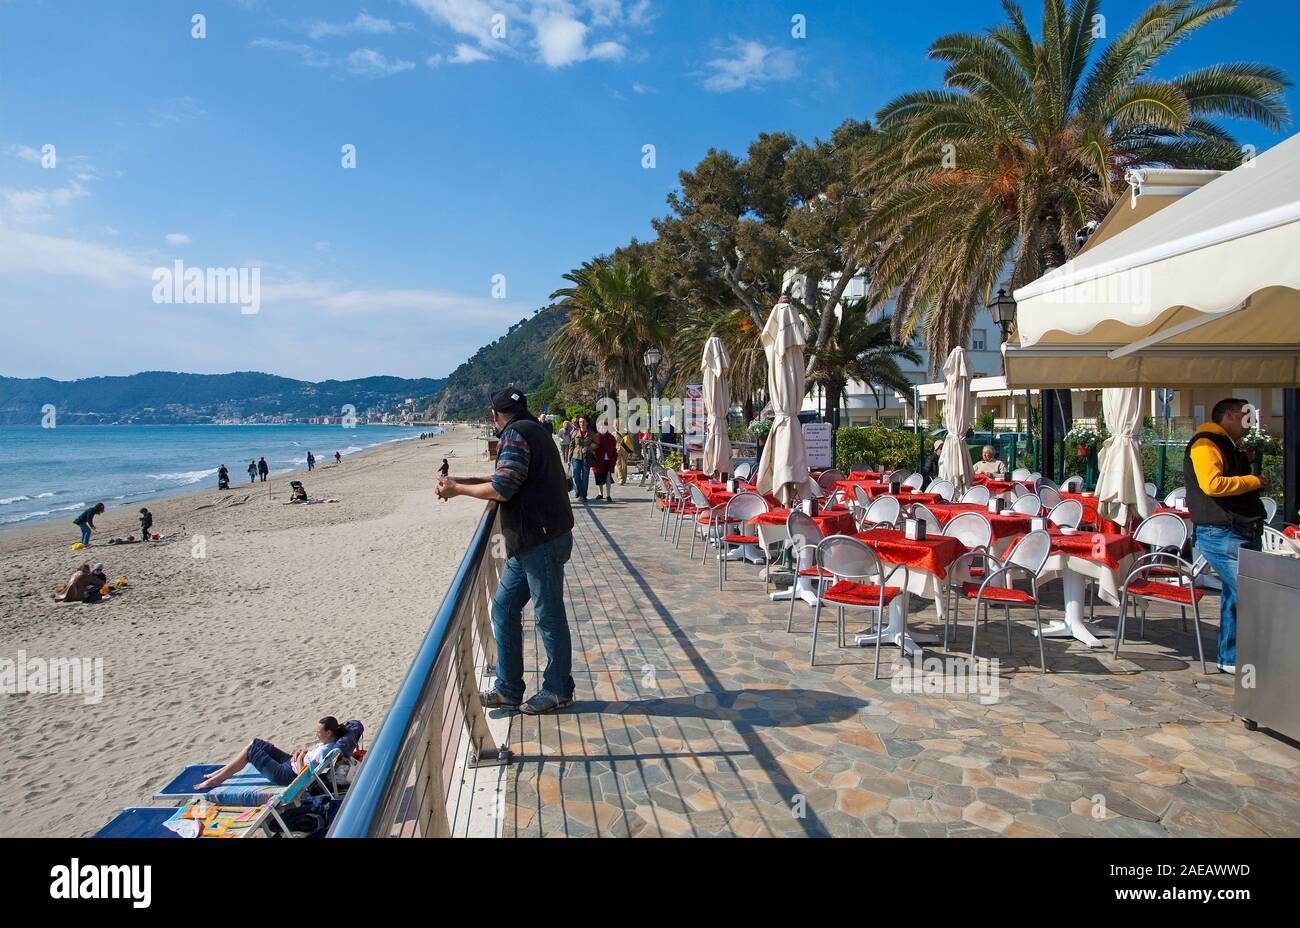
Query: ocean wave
[9,520]
[12,499]
[185,476]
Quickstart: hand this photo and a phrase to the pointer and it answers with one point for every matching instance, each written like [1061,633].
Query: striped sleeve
[512,463]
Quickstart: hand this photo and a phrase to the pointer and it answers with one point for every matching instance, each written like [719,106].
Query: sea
[55,473]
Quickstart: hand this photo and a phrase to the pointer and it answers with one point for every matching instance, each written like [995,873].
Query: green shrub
[892,448]
[984,421]
[573,412]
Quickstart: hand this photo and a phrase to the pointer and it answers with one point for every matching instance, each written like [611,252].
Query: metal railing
[436,726]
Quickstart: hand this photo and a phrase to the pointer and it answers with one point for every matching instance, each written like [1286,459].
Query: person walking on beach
[311,461]
[252,472]
[1227,513]
[86,521]
[606,453]
[223,478]
[582,454]
[338,458]
[445,469]
[146,523]
[537,526]
[262,469]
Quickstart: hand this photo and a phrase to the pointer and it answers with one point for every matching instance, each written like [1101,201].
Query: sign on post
[817,442]
[696,422]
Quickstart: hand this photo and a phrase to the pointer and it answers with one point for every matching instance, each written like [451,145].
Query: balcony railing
[436,729]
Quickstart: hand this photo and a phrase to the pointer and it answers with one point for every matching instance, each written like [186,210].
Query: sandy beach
[291,613]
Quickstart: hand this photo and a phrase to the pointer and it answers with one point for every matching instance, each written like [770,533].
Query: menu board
[817,442]
[696,419]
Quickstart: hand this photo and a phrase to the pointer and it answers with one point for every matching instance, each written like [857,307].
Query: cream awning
[1204,292]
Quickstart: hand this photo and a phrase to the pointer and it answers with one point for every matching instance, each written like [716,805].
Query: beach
[253,619]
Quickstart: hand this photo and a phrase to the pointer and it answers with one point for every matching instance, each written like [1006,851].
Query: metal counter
[1268,643]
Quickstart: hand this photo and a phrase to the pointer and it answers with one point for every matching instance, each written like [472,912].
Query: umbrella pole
[1290,455]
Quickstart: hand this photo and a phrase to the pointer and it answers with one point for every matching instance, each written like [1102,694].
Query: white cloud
[38,204]
[363,23]
[561,41]
[25,254]
[749,64]
[638,87]
[370,63]
[465,54]
[26,153]
[178,238]
[312,57]
[608,51]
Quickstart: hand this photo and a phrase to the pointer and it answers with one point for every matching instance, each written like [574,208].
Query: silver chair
[944,488]
[744,470]
[739,510]
[932,524]
[858,581]
[974,531]
[1029,505]
[1270,508]
[1019,491]
[1020,473]
[914,481]
[1172,498]
[1027,557]
[1049,496]
[976,494]
[883,512]
[805,536]
[1066,514]
[1073,485]
[1150,579]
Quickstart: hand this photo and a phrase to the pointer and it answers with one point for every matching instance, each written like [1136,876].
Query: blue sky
[476,155]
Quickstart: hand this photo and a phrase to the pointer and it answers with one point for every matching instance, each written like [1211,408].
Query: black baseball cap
[509,400]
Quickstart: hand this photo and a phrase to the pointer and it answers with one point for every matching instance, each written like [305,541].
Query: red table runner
[932,555]
[831,523]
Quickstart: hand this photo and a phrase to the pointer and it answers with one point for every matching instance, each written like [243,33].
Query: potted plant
[760,428]
[1256,442]
[1086,439]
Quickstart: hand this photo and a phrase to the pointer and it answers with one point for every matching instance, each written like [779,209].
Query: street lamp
[652,358]
[1003,310]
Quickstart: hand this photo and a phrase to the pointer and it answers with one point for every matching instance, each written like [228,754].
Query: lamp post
[652,358]
[1003,311]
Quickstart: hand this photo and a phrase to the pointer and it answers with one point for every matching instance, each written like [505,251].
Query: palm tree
[859,349]
[614,315]
[1031,139]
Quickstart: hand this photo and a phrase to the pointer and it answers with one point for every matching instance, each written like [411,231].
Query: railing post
[434,815]
[483,746]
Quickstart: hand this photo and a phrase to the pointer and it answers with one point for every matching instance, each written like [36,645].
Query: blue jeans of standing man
[85,532]
[536,574]
[581,471]
[1221,546]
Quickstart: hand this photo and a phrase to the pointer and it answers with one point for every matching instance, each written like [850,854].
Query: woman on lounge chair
[279,766]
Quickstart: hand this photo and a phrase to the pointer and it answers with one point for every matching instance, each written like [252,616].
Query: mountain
[162,397]
[518,357]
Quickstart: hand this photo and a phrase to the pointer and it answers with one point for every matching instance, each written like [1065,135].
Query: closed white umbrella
[1121,489]
[783,468]
[954,459]
[717,405]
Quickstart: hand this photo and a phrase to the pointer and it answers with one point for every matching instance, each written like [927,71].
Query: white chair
[1019,491]
[1040,482]
[974,531]
[899,475]
[1270,508]
[743,471]
[857,582]
[1020,473]
[976,494]
[1274,542]
[932,524]
[860,502]
[1172,499]
[827,480]
[1027,557]
[944,488]
[1028,505]
[1165,533]
[805,536]
[1049,496]
[739,510]
[914,481]
[1066,514]
[1073,485]
[1151,490]
[883,512]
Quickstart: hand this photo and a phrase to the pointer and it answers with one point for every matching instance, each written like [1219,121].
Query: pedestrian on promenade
[536,522]
[1227,513]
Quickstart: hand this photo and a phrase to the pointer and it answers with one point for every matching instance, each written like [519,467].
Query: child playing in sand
[146,523]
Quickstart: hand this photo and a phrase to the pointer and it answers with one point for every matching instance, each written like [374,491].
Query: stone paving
[697,714]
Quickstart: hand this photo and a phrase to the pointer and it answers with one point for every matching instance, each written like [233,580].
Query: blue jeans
[85,532]
[537,574]
[271,762]
[581,470]
[1220,547]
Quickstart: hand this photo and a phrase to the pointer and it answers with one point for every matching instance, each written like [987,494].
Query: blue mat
[139,822]
[183,784]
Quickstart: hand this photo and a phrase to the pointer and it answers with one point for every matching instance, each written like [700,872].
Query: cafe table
[1007,526]
[771,528]
[927,562]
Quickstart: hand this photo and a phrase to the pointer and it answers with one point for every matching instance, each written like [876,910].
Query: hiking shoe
[495,699]
[543,702]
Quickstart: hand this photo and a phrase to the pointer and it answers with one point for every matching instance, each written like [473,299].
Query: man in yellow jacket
[1223,498]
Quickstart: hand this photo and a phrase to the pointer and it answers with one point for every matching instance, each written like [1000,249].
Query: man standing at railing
[537,526]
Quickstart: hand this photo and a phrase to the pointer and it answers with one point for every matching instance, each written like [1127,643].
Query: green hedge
[894,448]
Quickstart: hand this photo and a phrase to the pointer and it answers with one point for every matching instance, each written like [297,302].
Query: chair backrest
[1040,482]
[744,506]
[847,557]
[1073,485]
[944,488]
[828,478]
[743,471]
[1066,514]
[863,469]
[674,479]
[1019,490]
[1151,489]
[1020,473]
[899,475]
[1028,505]
[1162,530]
[299,785]
[970,528]
[699,498]
[1049,496]
[883,509]
[932,523]
[915,481]
[1175,495]
[1031,551]
[976,494]
[1270,508]
[1273,542]
[802,529]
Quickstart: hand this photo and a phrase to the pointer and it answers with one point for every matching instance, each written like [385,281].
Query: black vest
[539,511]
[1243,513]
